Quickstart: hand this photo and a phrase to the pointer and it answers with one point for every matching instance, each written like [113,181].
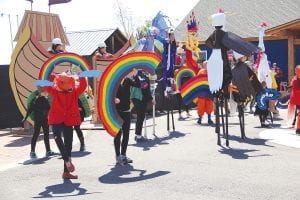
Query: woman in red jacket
[295,95]
[64,114]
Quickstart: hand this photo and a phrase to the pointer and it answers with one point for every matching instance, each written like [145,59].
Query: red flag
[51,2]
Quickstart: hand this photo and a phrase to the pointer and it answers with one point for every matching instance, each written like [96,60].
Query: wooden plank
[296,41]
[291,57]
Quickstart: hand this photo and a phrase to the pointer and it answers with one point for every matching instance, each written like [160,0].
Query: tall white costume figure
[264,72]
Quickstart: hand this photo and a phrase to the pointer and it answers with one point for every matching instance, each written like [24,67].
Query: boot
[82,146]
[70,166]
[68,175]
[199,120]
[298,124]
[209,121]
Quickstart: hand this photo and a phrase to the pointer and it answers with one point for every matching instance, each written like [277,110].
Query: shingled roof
[243,17]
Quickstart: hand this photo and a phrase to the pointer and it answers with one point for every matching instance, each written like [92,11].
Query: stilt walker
[219,70]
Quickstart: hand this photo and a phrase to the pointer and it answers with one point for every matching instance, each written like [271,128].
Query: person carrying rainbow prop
[204,104]
[64,110]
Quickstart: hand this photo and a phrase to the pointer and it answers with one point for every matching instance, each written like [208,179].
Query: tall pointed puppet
[192,50]
[219,71]
[264,72]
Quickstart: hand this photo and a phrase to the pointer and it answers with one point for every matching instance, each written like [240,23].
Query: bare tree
[125,18]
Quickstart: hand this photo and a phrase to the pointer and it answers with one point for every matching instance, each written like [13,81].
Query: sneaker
[50,153]
[68,175]
[33,155]
[199,120]
[70,166]
[120,160]
[297,131]
[140,139]
[127,159]
[82,147]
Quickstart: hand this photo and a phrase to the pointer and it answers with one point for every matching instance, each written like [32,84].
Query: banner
[52,2]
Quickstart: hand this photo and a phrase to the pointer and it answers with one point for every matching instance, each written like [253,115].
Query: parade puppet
[64,114]
[191,45]
[262,65]
[169,56]
[293,108]
[205,104]
[219,70]
[247,85]
[64,111]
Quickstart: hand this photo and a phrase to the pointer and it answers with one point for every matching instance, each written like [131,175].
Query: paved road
[187,164]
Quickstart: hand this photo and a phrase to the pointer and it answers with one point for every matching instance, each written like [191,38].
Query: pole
[17,21]
[31,5]
[226,121]
[217,130]
[11,37]
[153,83]
[153,115]
[145,127]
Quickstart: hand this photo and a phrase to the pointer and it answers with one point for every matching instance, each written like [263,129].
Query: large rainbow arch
[110,81]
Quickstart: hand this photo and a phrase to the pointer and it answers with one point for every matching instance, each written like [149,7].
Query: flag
[51,2]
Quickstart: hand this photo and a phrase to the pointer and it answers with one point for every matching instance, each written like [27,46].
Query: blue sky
[78,15]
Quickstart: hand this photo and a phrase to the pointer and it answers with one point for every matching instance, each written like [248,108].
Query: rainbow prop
[182,72]
[195,87]
[110,81]
[72,58]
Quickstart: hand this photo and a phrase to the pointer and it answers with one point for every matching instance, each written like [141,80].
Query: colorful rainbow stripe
[182,72]
[72,58]
[195,87]
[110,81]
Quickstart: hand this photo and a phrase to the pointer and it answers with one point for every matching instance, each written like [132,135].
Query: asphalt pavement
[184,164]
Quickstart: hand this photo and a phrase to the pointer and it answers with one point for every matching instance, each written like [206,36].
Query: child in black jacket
[123,107]
[40,108]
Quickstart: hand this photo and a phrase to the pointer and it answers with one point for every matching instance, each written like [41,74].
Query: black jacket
[40,107]
[123,93]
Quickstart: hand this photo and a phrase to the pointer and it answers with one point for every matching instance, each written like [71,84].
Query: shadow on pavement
[39,160]
[25,140]
[252,141]
[66,189]
[127,174]
[147,145]
[76,154]
[240,153]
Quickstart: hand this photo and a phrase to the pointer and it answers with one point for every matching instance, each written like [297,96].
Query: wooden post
[291,57]
[95,118]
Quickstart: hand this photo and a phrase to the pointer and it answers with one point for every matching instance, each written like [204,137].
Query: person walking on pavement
[122,102]
[64,114]
[205,104]
[78,129]
[141,96]
[39,107]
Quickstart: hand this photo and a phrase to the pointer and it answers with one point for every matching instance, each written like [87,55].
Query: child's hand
[117,101]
